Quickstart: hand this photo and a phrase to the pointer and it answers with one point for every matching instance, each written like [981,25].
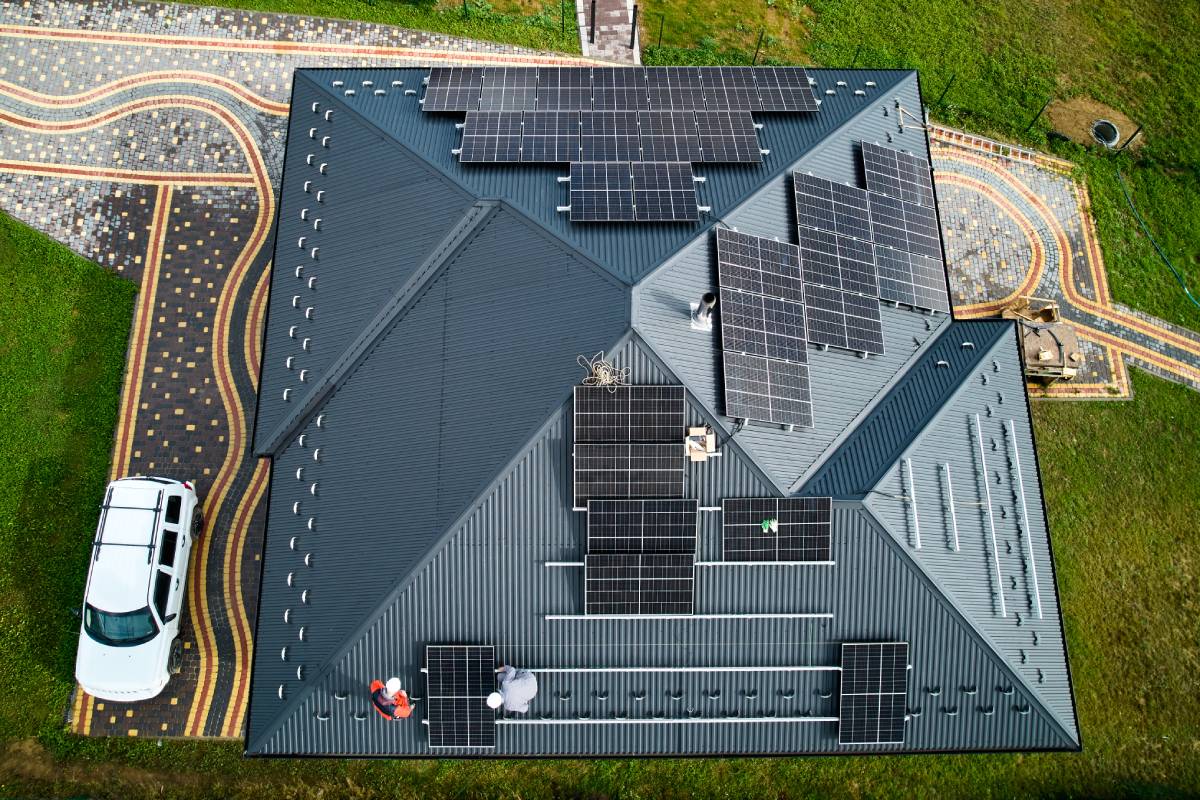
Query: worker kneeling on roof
[389,699]
[518,687]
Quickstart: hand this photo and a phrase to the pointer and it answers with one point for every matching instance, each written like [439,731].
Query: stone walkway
[1016,223]
[149,138]
[614,26]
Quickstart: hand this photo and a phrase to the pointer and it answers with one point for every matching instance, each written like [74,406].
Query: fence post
[949,83]
[854,60]
[562,15]
[761,32]
[1130,139]
[633,31]
[1038,116]
[466,13]
[662,20]
[592,28]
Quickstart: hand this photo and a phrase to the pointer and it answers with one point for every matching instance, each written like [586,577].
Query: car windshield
[119,630]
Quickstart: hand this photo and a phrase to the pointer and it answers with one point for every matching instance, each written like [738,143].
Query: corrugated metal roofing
[421,475]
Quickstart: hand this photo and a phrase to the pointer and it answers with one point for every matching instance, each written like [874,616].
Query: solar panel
[767,390]
[641,526]
[508,89]
[629,414]
[491,136]
[612,471]
[911,279]
[905,226]
[664,192]
[838,262]
[727,88]
[609,136]
[763,326]
[874,693]
[833,207]
[840,319]
[728,137]
[619,89]
[459,678]
[638,583]
[550,136]
[601,191]
[801,529]
[564,89]
[669,136]
[453,89]
[675,88]
[897,174]
[784,89]
[759,265]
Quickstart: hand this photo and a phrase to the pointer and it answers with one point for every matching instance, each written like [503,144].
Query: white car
[128,645]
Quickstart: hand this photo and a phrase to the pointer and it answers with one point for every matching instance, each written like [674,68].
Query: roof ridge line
[458,236]
[372,616]
[949,603]
[922,425]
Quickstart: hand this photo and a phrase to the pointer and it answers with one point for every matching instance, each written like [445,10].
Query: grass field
[1124,510]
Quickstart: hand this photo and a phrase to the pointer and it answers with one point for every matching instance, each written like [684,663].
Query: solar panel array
[843,319]
[566,136]
[802,528]
[897,174]
[763,329]
[874,692]
[629,469]
[638,583]
[459,679]
[774,89]
[642,526]
[629,413]
[616,191]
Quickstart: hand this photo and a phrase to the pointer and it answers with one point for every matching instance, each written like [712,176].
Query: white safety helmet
[393,686]
[495,700]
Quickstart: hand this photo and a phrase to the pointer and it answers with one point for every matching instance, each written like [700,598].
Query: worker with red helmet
[389,699]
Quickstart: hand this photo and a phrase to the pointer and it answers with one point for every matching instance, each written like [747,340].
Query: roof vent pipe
[702,312]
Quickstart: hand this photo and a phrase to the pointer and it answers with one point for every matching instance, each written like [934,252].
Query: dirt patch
[1074,118]
[27,764]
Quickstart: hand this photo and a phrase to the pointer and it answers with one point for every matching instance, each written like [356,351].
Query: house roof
[421,464]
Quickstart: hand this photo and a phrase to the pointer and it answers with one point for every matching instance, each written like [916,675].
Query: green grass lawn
[1120,480]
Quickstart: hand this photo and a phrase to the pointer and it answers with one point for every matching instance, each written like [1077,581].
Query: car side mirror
[169,617]
[77,613]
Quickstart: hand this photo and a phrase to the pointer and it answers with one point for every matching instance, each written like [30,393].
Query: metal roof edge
[358,350]
[404,580]
[964,619]
[846,439]
[710,415]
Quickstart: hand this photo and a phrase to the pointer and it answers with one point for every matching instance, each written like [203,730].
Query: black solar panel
[669,136]
[664,192]
[911,279]
[509,89]
[453,89]
[459,678]
[619,89]
[833,207]
[491,136]
[728,137]
[897,174]
[838,262]
[759,265]
[674,88]
[613,471]
[730,88]
[784,89]
[638,583]
[629,414]
[776,529]
[601,192]
[874,693]
[905,226]
[763,326]
[767,390]
[564,89]
[610,136]
[550,136]
[641,526]
[840,319]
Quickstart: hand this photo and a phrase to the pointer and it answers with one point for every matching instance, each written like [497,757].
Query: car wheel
[197,523]
[175,659]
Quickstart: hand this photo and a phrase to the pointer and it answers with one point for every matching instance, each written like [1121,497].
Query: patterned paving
[1016,223]
[149,138]
[614,27]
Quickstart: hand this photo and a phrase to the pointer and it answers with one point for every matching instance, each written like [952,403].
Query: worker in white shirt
[518,687]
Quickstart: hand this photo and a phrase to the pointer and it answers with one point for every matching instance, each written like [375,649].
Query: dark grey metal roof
[421,471]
